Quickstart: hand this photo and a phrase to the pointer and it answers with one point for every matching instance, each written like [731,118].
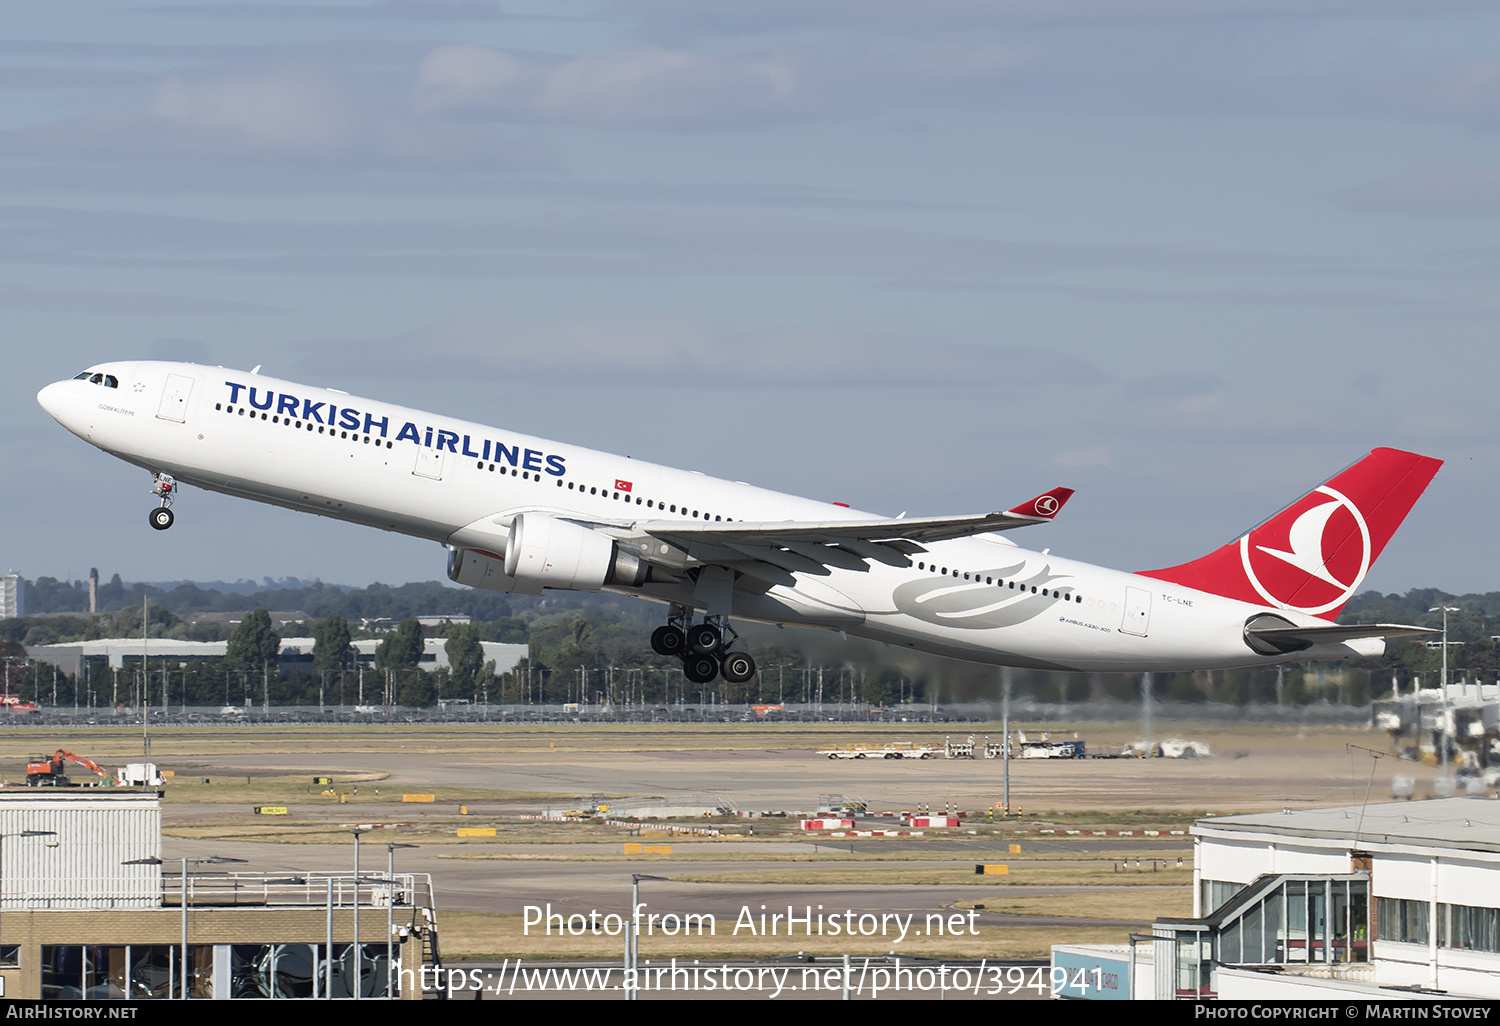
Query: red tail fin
[1312,555]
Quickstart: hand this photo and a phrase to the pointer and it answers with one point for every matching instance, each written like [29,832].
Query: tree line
[595,649]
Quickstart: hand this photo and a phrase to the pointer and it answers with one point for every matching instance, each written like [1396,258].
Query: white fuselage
[431,476]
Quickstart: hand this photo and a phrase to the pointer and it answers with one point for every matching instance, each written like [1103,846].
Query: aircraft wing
[814,546]
[1295,639]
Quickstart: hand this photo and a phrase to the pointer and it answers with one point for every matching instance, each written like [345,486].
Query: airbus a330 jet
[521,514]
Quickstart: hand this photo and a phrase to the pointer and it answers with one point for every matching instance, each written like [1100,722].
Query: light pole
[1447,747]
[633,950]
[359,951]
[154,861]
[390,912]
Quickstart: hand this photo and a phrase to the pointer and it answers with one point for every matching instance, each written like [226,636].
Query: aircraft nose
[53,399]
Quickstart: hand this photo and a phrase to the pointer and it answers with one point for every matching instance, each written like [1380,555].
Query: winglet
[1044,506]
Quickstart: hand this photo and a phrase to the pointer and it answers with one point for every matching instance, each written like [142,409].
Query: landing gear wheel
[737,667]
[162,517]
[668,640]
[704,638]
[700,669]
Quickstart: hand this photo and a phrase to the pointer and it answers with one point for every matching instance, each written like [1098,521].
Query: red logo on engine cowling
[1312,556]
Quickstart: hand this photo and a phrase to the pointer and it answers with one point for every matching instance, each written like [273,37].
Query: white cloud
[638,85]
[90,301]
[1093,456]
[687,353]
[285,113]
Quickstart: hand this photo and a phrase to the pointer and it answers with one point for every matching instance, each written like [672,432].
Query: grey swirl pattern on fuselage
[974,605]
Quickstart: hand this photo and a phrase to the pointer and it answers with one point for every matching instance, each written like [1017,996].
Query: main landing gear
[701,647]
[163,486]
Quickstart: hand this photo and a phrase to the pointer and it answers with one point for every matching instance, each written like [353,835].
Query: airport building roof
[1467,824]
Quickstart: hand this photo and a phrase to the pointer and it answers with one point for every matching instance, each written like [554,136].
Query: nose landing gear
[701,647]
[163,486]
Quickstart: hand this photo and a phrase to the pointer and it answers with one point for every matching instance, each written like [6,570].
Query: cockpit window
[107,380]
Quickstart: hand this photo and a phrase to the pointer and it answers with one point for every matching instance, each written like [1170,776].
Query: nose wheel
[163,486]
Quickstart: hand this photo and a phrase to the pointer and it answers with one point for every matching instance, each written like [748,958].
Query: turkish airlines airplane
[519,514]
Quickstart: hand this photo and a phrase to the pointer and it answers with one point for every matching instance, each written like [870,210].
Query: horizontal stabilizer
[1282,639]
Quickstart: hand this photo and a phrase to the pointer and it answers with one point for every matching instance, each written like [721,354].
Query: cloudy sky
[1190,257]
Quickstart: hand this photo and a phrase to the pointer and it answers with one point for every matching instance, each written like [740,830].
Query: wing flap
[787,560]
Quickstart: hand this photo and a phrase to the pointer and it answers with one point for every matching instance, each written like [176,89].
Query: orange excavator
[47,771]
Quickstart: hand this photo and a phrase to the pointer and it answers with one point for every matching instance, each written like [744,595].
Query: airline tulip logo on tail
[1314,565]
[1310,557]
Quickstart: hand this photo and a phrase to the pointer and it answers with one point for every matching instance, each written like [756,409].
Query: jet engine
[477,568]
[550,553]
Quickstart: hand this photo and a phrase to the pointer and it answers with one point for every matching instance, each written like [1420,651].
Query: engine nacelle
[476,568]
[550,553]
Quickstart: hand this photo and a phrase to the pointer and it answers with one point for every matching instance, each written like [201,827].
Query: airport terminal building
[89,909]
[1385,901]
[107,654]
